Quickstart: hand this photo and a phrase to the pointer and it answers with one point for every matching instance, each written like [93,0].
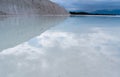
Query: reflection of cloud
[15,30]
[63,54]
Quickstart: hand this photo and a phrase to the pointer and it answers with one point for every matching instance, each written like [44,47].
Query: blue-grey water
[48,46]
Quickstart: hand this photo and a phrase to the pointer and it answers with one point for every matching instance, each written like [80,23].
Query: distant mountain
[81,13]
[115,12]
[98,12]
[88,13]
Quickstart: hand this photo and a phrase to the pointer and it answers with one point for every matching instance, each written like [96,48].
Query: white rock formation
[42,7]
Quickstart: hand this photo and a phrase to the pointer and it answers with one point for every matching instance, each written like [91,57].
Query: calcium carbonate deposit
[42,7]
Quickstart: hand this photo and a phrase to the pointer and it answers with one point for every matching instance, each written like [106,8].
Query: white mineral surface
[41,7]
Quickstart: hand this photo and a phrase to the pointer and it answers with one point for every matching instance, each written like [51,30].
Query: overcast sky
[88,5]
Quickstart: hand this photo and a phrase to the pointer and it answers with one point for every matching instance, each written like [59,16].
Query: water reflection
[78,47]
[17,29]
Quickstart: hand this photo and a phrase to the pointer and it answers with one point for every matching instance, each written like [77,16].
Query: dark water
[83,46]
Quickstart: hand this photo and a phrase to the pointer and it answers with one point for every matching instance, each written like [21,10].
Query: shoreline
[97,15]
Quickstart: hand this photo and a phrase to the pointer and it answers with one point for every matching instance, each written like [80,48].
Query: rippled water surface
[48,46]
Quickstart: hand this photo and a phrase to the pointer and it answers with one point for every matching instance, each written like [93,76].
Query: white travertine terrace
[41,7]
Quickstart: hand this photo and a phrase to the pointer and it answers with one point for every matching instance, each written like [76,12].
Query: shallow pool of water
[48,46]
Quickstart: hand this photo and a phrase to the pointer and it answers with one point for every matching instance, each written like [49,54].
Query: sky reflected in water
[69,47]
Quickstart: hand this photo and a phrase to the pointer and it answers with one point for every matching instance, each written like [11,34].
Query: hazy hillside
[114,11]
[42,7]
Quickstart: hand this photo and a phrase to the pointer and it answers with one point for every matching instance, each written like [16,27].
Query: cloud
[66,54]
[88,5]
